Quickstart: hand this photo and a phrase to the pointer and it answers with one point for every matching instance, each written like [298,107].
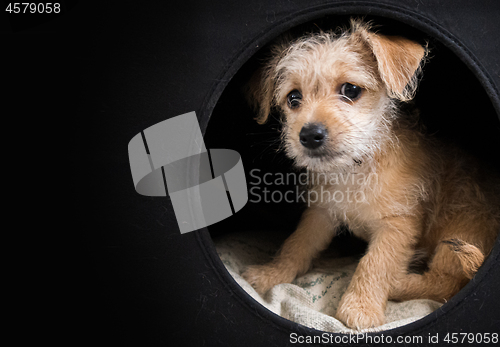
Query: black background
[104,265]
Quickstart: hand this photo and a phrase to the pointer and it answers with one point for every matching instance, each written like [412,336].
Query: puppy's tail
[469,255]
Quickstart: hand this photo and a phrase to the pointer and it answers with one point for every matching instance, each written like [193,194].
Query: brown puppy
[340,95]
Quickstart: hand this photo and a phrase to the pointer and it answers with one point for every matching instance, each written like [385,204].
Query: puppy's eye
[294,98]
[350,91]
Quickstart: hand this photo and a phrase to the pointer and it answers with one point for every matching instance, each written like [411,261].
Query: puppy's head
[336,92]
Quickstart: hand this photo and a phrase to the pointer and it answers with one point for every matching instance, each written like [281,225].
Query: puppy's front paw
[359,313]
[264,277]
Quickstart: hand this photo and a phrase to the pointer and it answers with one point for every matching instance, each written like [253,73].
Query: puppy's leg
[453,265]
[465,240]
[363,304]
[314,233]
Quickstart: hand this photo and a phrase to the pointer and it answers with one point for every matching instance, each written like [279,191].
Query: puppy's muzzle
[312,135]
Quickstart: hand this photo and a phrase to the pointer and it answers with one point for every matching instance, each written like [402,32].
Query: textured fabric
[311,299]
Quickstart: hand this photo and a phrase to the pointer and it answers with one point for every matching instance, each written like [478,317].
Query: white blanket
[312,299]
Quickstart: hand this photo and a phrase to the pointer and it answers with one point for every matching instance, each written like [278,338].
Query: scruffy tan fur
[427,198]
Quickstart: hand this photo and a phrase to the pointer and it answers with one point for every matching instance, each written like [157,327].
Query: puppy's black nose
[312,135]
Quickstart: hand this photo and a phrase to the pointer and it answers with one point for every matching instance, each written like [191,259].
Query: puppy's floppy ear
[261,87]
[398,60]
[259,93]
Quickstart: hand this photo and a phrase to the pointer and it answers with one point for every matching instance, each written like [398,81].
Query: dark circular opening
[453,103]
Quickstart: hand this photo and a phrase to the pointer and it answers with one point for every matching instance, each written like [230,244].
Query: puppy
[341,97]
